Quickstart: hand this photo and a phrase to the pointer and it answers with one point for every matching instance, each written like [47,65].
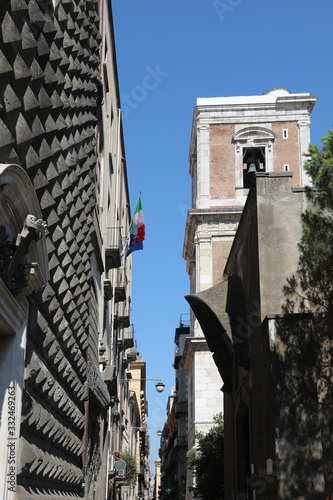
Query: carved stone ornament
[13,269]
[91,373]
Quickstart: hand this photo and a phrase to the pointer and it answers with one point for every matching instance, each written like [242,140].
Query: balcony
[129,338]
[124,314]
[181,408]
[107,290]
[113,248]
[126,339]
[96,238]
[178,356]
[180,441]
[120,286]
[132,355]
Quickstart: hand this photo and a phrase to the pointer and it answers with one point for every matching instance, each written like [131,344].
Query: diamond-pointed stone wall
[49,109]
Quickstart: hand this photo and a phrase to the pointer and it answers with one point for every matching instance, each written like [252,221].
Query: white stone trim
[203,170]
[251,99]
[304,141]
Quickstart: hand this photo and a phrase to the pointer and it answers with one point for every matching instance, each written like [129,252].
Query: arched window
[253,150]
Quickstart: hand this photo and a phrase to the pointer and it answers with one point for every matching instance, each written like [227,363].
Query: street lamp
[159,432]
[159,386]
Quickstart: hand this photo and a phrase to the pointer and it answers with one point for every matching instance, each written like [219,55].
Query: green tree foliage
[148,445]
[313,285]
[131,469]
[310,290]
[317,224]
[207,462]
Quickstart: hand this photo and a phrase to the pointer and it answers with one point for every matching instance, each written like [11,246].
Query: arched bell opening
[253,153]
[254,160]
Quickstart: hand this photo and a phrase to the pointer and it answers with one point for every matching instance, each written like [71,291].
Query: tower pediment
[254,132]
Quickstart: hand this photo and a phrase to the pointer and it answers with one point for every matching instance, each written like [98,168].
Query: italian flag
[137,229]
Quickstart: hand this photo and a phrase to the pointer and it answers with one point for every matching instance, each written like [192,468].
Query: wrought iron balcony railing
[113,247]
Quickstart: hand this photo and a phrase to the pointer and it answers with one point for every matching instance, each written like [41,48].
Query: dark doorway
[243,450]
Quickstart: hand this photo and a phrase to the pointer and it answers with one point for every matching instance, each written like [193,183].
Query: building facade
[276,442]
[169,485]
[157,481]
[232,138]
[174,440]
[137,385]
[65,284]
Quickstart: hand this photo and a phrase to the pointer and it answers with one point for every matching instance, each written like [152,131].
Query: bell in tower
[253,159]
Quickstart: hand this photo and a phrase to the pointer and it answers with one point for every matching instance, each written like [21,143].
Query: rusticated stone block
[29,44]
[6,140]
[23,133]
[9,32]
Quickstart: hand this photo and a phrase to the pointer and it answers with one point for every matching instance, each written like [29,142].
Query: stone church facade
[271,353]
[233,139]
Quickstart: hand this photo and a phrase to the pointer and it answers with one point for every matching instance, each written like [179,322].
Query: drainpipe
[85,434]
[117,190]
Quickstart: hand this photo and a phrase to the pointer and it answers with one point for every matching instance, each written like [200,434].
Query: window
[106,78]
[286,167]
[285,133]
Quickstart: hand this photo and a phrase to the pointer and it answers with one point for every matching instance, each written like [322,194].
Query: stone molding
[215,222]
[97,384]
[254,132]
[192,345]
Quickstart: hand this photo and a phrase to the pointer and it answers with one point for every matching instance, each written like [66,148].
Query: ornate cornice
[220,216]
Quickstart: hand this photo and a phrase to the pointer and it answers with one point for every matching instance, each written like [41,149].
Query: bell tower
[232,138]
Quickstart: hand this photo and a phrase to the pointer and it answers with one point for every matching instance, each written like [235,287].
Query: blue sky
[170,53]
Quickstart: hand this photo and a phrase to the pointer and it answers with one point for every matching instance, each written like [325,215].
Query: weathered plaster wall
[279,232]
[279,386]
